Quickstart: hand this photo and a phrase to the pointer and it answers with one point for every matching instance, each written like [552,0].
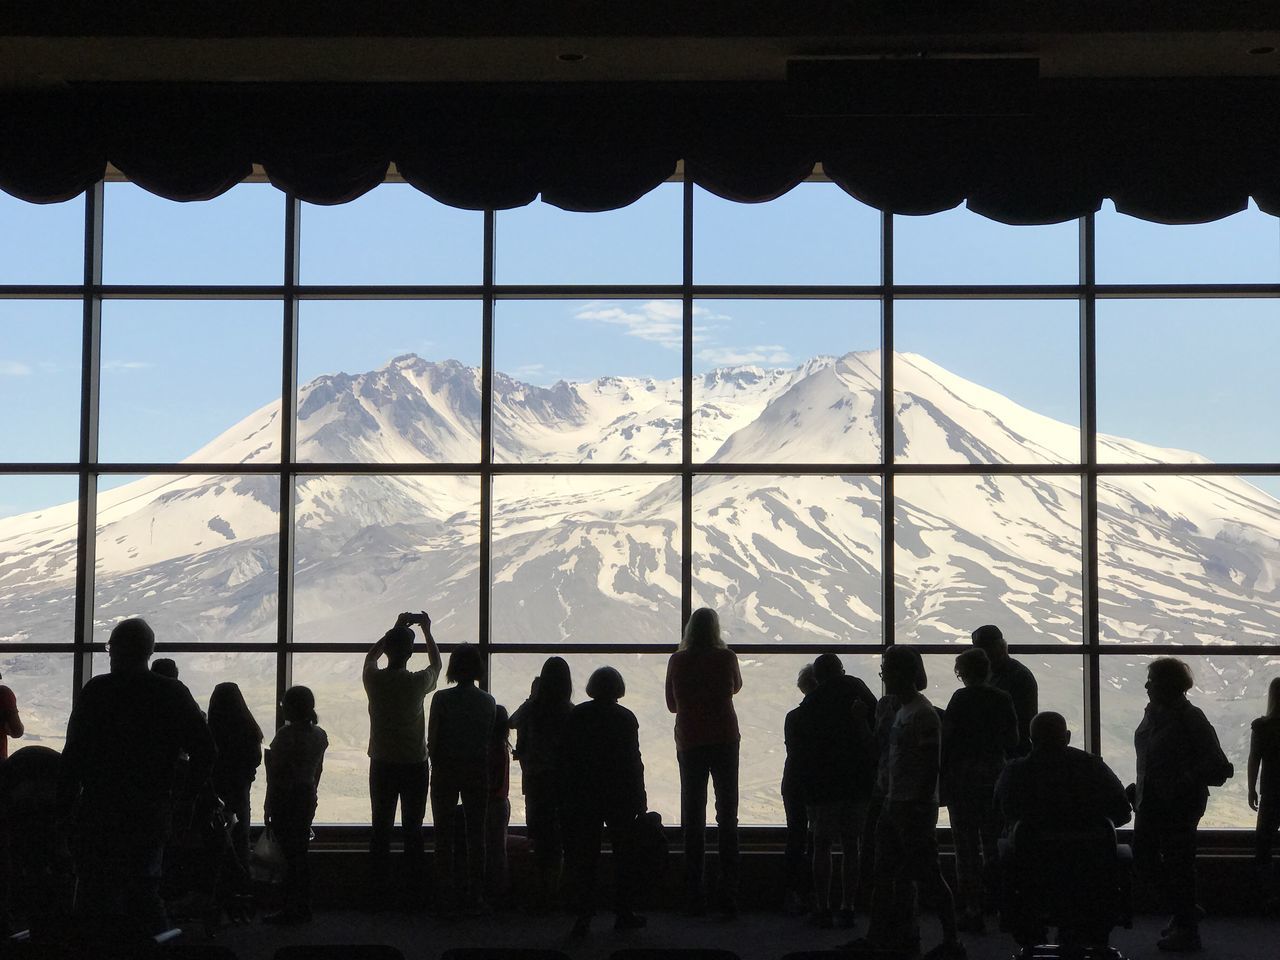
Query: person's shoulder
[319,736]
[1021,669]
[1266,724]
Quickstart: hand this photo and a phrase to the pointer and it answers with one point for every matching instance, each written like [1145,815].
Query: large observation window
[560,432]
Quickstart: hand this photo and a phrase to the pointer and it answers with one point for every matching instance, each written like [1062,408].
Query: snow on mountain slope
[784,558]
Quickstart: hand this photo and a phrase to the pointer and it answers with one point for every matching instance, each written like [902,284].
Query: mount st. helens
[597,558]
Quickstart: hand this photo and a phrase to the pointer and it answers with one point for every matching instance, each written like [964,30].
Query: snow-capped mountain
[598,558]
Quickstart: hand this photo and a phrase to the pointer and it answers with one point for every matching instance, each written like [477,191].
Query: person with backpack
[1179,759]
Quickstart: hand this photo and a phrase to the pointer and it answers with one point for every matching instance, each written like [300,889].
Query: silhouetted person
[37,876]
[602,777]
[398,771]
[1264,790]
[498,813]
[979,730]
[798,853]
[835,754]
[458,737]
[702,679]
[539,724]
[10,719]
[123,741]
[906,834]
[1058,785]
[1054,799]
[165,667]
[239,741]
[295,762]
[1179,758]
[1013,678]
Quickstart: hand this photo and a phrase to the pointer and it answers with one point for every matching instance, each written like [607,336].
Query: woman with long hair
[1264,790]
[295,761]
[539,725]
[459,734]
[238,738]
[702,679]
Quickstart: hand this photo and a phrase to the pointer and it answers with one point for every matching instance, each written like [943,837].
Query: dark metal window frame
[92,292]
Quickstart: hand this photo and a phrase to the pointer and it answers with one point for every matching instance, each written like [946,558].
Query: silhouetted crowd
[149,803]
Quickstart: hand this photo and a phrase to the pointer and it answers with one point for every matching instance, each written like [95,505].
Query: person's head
[702,632]
[902,670]
[606,683]
[465,665]
[501,726]
[555,682]
[827,667]
[1273,698]
[229,715]
[164,667]
[1049,731]
[973,667]
[805,681]
[130,645]
[991,641]
[398,644]
[299,705]
[1168,680]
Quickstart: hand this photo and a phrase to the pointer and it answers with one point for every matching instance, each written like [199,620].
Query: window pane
[42,684]
[40,375]
[38,516]
[235,238]
[971,550]
[41,242]
[1189,560]
[344,716]
[369,548]
[1244,248]
[959,246]
[197,556]
[1231,690]
[1180,381]
[640,243]
[787,381]
[587,381]
[586,559]
[216,364]
[789,559]
[814,234]
[987,381]
[394,234]
[1059,679]
[254,673]
[407,389]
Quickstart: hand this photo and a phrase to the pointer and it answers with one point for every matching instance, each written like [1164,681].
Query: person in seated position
[1055,799]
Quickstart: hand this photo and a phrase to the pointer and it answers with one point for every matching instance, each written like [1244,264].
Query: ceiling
[48,44]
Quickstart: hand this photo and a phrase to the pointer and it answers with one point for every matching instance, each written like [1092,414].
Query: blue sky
[1192,374]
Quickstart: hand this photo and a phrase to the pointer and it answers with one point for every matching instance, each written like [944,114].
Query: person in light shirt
[906,833]
[398,771]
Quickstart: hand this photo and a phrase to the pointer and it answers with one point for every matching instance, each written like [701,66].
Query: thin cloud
[657,321]
[127,365]
[733,356]
[14,368]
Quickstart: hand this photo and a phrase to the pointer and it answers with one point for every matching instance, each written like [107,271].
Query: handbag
[266,860]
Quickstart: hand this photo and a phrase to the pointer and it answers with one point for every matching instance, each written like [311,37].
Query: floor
[753,936]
